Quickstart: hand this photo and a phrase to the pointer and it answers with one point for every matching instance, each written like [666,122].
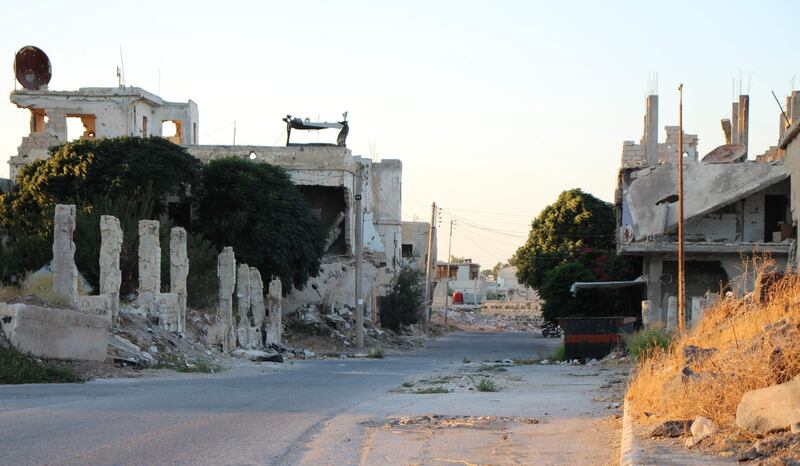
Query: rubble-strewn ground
[469,318]
[739,346]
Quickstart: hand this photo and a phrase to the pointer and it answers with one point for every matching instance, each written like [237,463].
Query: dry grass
[7,293]
[757,343]
[41,286]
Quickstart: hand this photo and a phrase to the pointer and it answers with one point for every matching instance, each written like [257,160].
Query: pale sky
[494,107]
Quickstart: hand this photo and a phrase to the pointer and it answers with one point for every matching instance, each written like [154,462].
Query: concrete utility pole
[447,279]
[359,253]
[681,265]
[429,265]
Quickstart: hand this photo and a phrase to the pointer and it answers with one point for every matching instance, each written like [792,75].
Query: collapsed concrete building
[733,208]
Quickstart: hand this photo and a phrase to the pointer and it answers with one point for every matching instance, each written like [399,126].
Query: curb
[629,448]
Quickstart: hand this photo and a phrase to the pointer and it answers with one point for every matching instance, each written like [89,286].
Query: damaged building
[328,175]
[57,117]
[733,208]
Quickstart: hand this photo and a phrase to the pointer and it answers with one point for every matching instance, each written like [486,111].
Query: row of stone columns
[249,288]
[170,308]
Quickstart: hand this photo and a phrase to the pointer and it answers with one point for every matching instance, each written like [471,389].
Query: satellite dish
[32,68]
[726,153]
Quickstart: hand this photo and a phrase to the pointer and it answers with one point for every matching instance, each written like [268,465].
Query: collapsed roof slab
[652,193]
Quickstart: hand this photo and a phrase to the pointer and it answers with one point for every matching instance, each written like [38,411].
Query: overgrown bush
[403,305]
[644,342]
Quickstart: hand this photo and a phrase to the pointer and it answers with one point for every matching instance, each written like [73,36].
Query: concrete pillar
[243,303]
[647,314]
[226,273]
[110,272]
[178,272]
[651,131]
[257,306]
[735,123]
[149,266]
[654,270]
[744,120]
[65,273]
[275,312]
[698,307]
[672,313]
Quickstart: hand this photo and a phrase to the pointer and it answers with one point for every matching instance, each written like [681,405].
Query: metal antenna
[122,68]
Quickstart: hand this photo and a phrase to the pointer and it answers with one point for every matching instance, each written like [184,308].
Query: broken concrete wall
[257,307]
[178,273]
[110,272]
[243,304]
[149,266]
[65,272]
[55,333]
[274,301]
[104,112]
[226,273]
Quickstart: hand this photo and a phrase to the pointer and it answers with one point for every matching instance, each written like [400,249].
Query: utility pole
[681,265]
[447,280]
[234,132]
[428,266]
[359,252]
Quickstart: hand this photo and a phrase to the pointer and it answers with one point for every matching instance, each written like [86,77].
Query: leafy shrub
[643,343]
[376,353]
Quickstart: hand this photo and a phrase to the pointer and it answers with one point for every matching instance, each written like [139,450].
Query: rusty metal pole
[447,280]
[681,265]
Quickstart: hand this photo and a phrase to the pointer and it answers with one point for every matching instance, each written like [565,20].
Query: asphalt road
[262,414]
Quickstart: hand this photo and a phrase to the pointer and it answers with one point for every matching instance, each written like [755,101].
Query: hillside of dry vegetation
[741,344]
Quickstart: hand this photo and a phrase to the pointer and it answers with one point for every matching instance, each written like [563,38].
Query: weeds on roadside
[643,343]
[408,384]
[560,354]
[487,385]
[376,353]
[431,390]
[202,366]
[17,367]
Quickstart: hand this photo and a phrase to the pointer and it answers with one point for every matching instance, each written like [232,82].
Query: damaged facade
[102,112]
[733,208]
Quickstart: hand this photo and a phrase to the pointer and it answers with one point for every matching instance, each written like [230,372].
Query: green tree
[576,222]
[403,305]
[255,208]
[85,172]
[555,291]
